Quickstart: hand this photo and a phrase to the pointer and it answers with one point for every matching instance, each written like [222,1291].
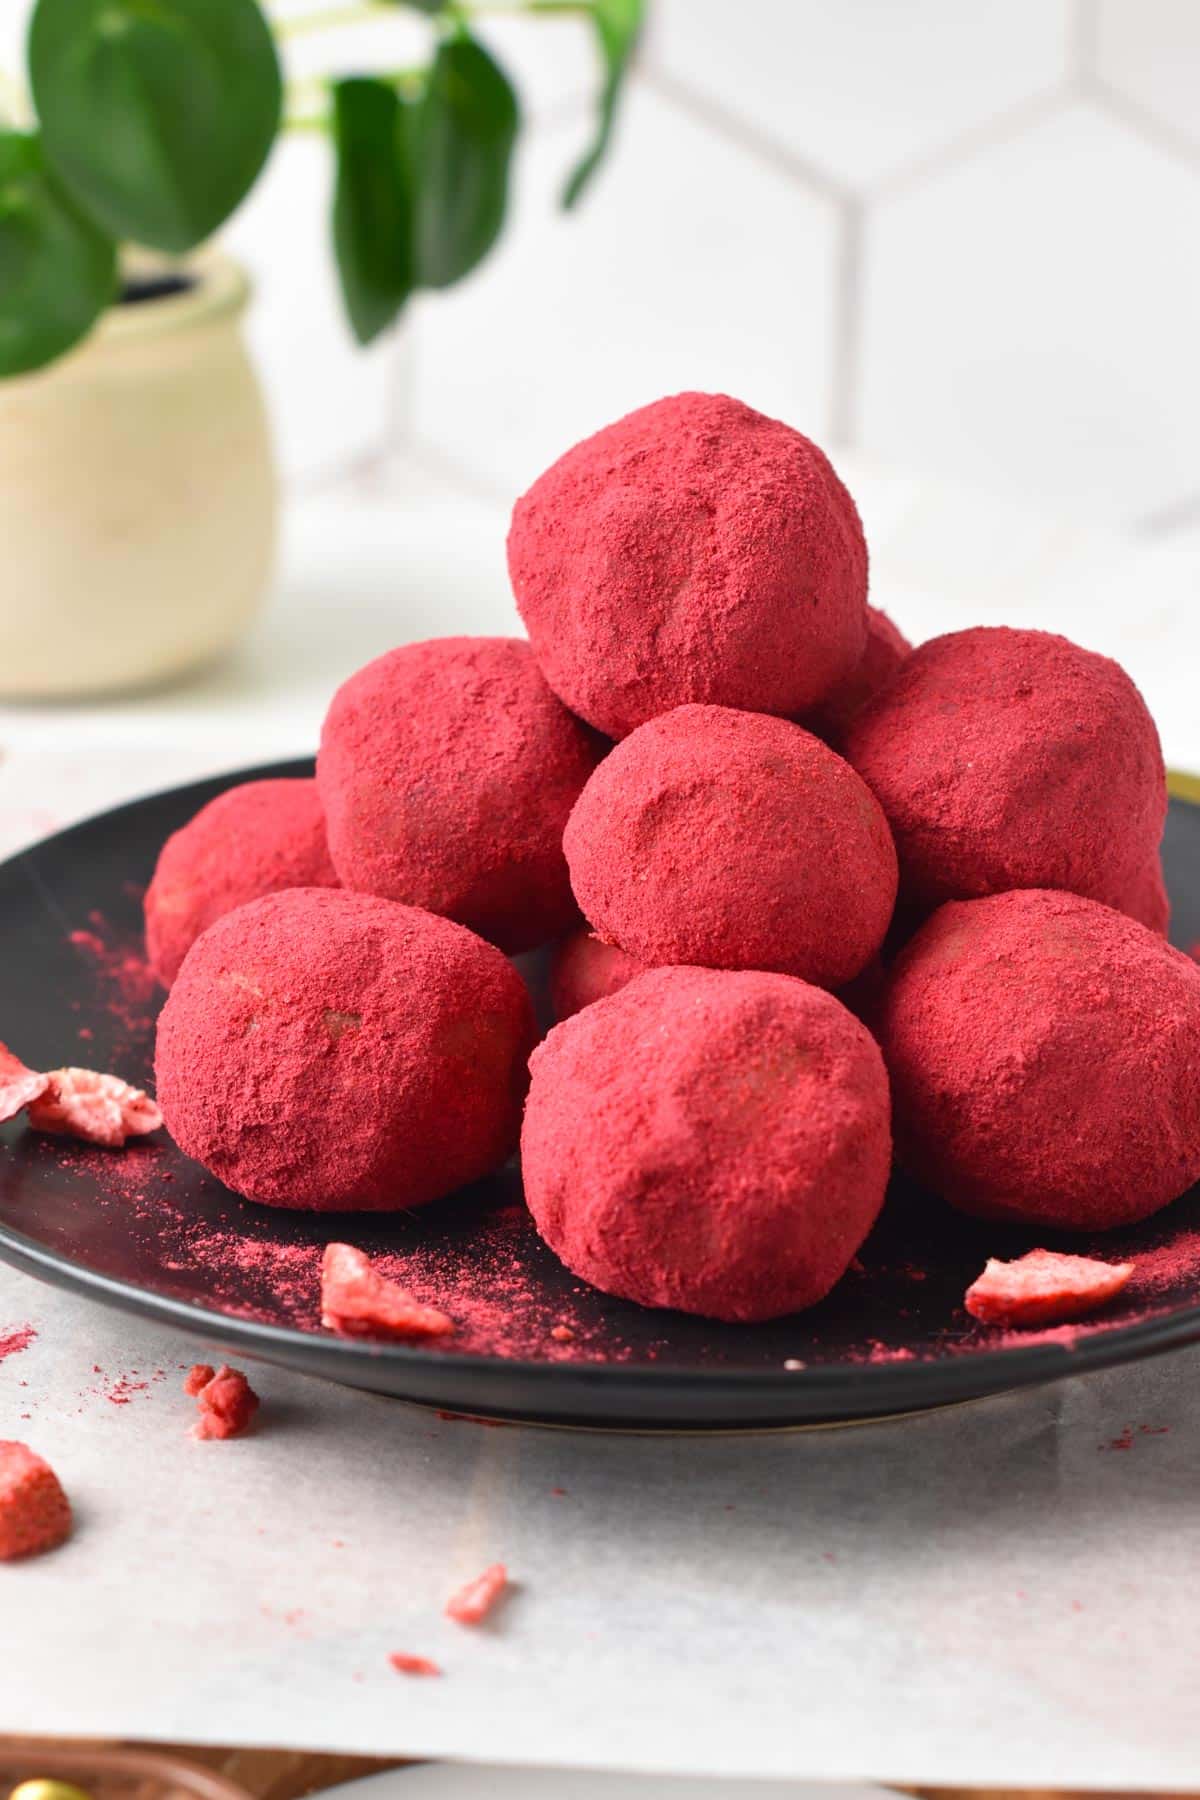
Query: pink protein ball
[733,840]
[716,1141]
[1012,759]
[448,770]
[694,551]
[1044,1052]
[585,969]
[887,647]
[252,840]
[1144,897]
[325,1050]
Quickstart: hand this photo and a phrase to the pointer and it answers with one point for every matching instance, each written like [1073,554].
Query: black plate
[146,1230]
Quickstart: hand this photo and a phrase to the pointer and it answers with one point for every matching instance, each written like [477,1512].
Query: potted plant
[137,495]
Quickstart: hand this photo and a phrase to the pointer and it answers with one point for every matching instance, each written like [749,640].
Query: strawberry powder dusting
[472,1603]
[13,1342]
[125,985]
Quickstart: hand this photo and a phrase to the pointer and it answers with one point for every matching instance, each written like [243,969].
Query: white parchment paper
[990,1594]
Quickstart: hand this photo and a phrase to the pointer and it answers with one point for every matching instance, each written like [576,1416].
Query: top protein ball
[1012,759]
[694,551]
[448,770]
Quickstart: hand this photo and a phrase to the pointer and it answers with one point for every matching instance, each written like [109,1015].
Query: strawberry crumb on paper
[1045,1287]
[472,1603]
[357,1301]
[227,1404]
[198,1378]
[35,1514]
[404,1664]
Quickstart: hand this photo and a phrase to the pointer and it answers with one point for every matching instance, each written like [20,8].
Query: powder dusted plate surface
[148,1231]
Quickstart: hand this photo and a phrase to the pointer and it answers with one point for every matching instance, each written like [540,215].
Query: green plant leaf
[618,25]
[157,114]
[372,205]
[464,129]
[57,270]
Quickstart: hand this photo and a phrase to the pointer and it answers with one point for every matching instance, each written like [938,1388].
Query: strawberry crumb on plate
[472,1603]
[1045,1287]
[357,1301]
[35,1514]
[198,1378]
[404,1664]
[227,1402]
[82,1103]
[19,1086]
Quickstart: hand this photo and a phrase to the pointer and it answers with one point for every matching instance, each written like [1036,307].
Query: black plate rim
[875,1389]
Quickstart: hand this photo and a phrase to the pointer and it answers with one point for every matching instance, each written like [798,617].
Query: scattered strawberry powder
[472,1604]
[357,1301]
[15,1340]
[227,1405]
[1045,1287]
[35,1514]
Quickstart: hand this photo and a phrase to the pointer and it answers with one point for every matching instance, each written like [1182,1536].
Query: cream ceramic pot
[137,497]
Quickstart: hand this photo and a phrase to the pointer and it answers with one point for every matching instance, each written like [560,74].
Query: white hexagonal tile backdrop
[954,235]
[959,237]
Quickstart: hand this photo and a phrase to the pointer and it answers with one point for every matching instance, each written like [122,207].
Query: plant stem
[310,90]
[330,17]
[359,12]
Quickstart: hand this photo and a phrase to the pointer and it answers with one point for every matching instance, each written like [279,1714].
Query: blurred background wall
[959,236]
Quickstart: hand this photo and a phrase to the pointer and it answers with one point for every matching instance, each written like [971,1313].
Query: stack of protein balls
[824,878]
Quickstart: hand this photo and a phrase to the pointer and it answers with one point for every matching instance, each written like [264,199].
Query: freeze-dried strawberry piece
[358,1301]
[472,1604]
[18,1085]
[198,1378]
[404,1664]
[100,1109]
[35,1514]
[227,1405]
[1045,1287]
